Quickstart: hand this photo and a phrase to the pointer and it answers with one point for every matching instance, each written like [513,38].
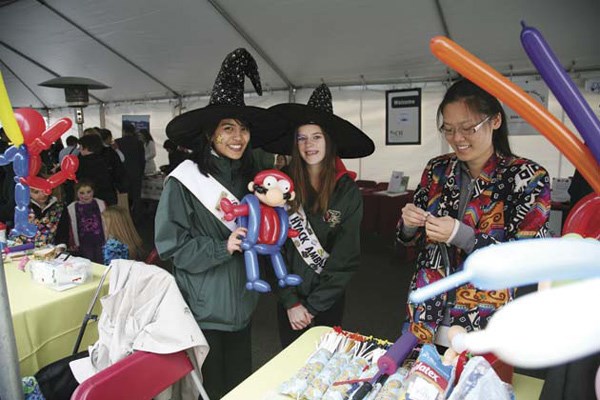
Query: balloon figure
[26,129]
[262,213]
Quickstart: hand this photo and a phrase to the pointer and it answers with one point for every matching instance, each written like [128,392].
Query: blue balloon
[22,195]
[21,162]
[8,155]
[22,225]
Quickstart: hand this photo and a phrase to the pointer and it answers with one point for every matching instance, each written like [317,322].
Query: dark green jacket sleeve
[344,256]
[185,233]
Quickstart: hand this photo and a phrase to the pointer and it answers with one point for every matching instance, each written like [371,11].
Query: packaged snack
[326,377]
[298,383]
[392,385]
[351,371]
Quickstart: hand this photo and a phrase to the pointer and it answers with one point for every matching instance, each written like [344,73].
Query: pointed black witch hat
[351,142]
[227,101]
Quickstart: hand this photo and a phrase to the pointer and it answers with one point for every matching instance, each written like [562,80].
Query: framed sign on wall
[403,116]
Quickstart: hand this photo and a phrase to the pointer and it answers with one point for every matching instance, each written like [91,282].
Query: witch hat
[351,142]
[227,101]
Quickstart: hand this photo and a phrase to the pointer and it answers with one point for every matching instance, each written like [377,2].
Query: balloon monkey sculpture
[262,213]
[26,129]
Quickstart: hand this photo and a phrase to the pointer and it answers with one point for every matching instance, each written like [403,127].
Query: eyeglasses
[449,132]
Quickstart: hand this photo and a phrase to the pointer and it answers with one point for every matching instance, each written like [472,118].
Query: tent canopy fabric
[155,49]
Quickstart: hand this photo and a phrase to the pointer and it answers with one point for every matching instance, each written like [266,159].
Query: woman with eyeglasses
[478,195]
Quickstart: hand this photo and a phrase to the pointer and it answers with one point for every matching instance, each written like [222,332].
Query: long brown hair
[305,193]
[118,224]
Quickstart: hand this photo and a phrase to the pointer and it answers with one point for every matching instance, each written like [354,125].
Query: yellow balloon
[9,123]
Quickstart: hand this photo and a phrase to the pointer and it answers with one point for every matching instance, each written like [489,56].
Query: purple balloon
[562,86]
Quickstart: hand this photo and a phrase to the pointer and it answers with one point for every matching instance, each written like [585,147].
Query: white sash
[307,244]
[205,188]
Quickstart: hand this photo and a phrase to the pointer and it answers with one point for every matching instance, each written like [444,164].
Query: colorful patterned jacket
[510,201]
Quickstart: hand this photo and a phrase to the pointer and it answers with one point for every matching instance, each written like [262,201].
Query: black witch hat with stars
[227,101]
[350,141]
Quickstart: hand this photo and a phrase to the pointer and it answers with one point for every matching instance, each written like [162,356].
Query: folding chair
[140,376]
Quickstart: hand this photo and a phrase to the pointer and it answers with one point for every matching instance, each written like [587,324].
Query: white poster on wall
[537,89]
[403,116]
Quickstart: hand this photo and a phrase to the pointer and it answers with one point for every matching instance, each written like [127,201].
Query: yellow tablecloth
[46,322]
[263,384]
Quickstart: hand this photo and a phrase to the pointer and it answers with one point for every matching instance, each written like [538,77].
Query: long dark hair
[482,102]
[299,174]
[201,152]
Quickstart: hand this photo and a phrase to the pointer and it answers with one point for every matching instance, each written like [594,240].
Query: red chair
[153,258]
[140,376]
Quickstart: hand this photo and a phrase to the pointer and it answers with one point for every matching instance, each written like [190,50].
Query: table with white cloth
[46,322]
[263,383]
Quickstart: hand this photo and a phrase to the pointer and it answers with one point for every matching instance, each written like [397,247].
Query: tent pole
[10,381]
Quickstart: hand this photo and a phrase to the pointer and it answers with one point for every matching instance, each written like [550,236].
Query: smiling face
[470,139]
[85,194]
[230,138]
[311,144]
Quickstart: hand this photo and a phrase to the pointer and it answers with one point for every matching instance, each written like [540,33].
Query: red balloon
[57,179]
[31,122]
[35,163]
[584,218]
[38,183]
[69,166]
[49,136]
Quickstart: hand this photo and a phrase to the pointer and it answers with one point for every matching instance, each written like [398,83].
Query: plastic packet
[326,377]
[59,274]
[479,381]
[429,378]
[298,383]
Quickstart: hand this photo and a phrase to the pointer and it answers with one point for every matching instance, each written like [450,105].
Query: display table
[263,384]
[46,322]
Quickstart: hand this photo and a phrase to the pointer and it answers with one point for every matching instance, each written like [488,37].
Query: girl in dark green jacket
[205,250]
[327,212]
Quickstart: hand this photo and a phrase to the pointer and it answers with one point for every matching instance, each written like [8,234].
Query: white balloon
[521,262]
[541,329]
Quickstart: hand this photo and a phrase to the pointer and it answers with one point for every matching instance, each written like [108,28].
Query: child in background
[85,214]
[123,241]
[48,214]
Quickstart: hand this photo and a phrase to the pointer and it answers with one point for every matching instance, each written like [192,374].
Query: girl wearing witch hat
[190,231]
[327,211]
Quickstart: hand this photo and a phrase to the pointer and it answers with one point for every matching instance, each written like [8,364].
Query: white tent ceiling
[149,49]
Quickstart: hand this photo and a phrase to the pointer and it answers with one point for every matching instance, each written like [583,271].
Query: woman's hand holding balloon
[234,243]
[413,216]
[439,229]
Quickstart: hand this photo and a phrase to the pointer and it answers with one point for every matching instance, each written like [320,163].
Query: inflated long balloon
[395,355]
[492,81]
[521,262]
[9,123]
[527,333]
[560,83]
